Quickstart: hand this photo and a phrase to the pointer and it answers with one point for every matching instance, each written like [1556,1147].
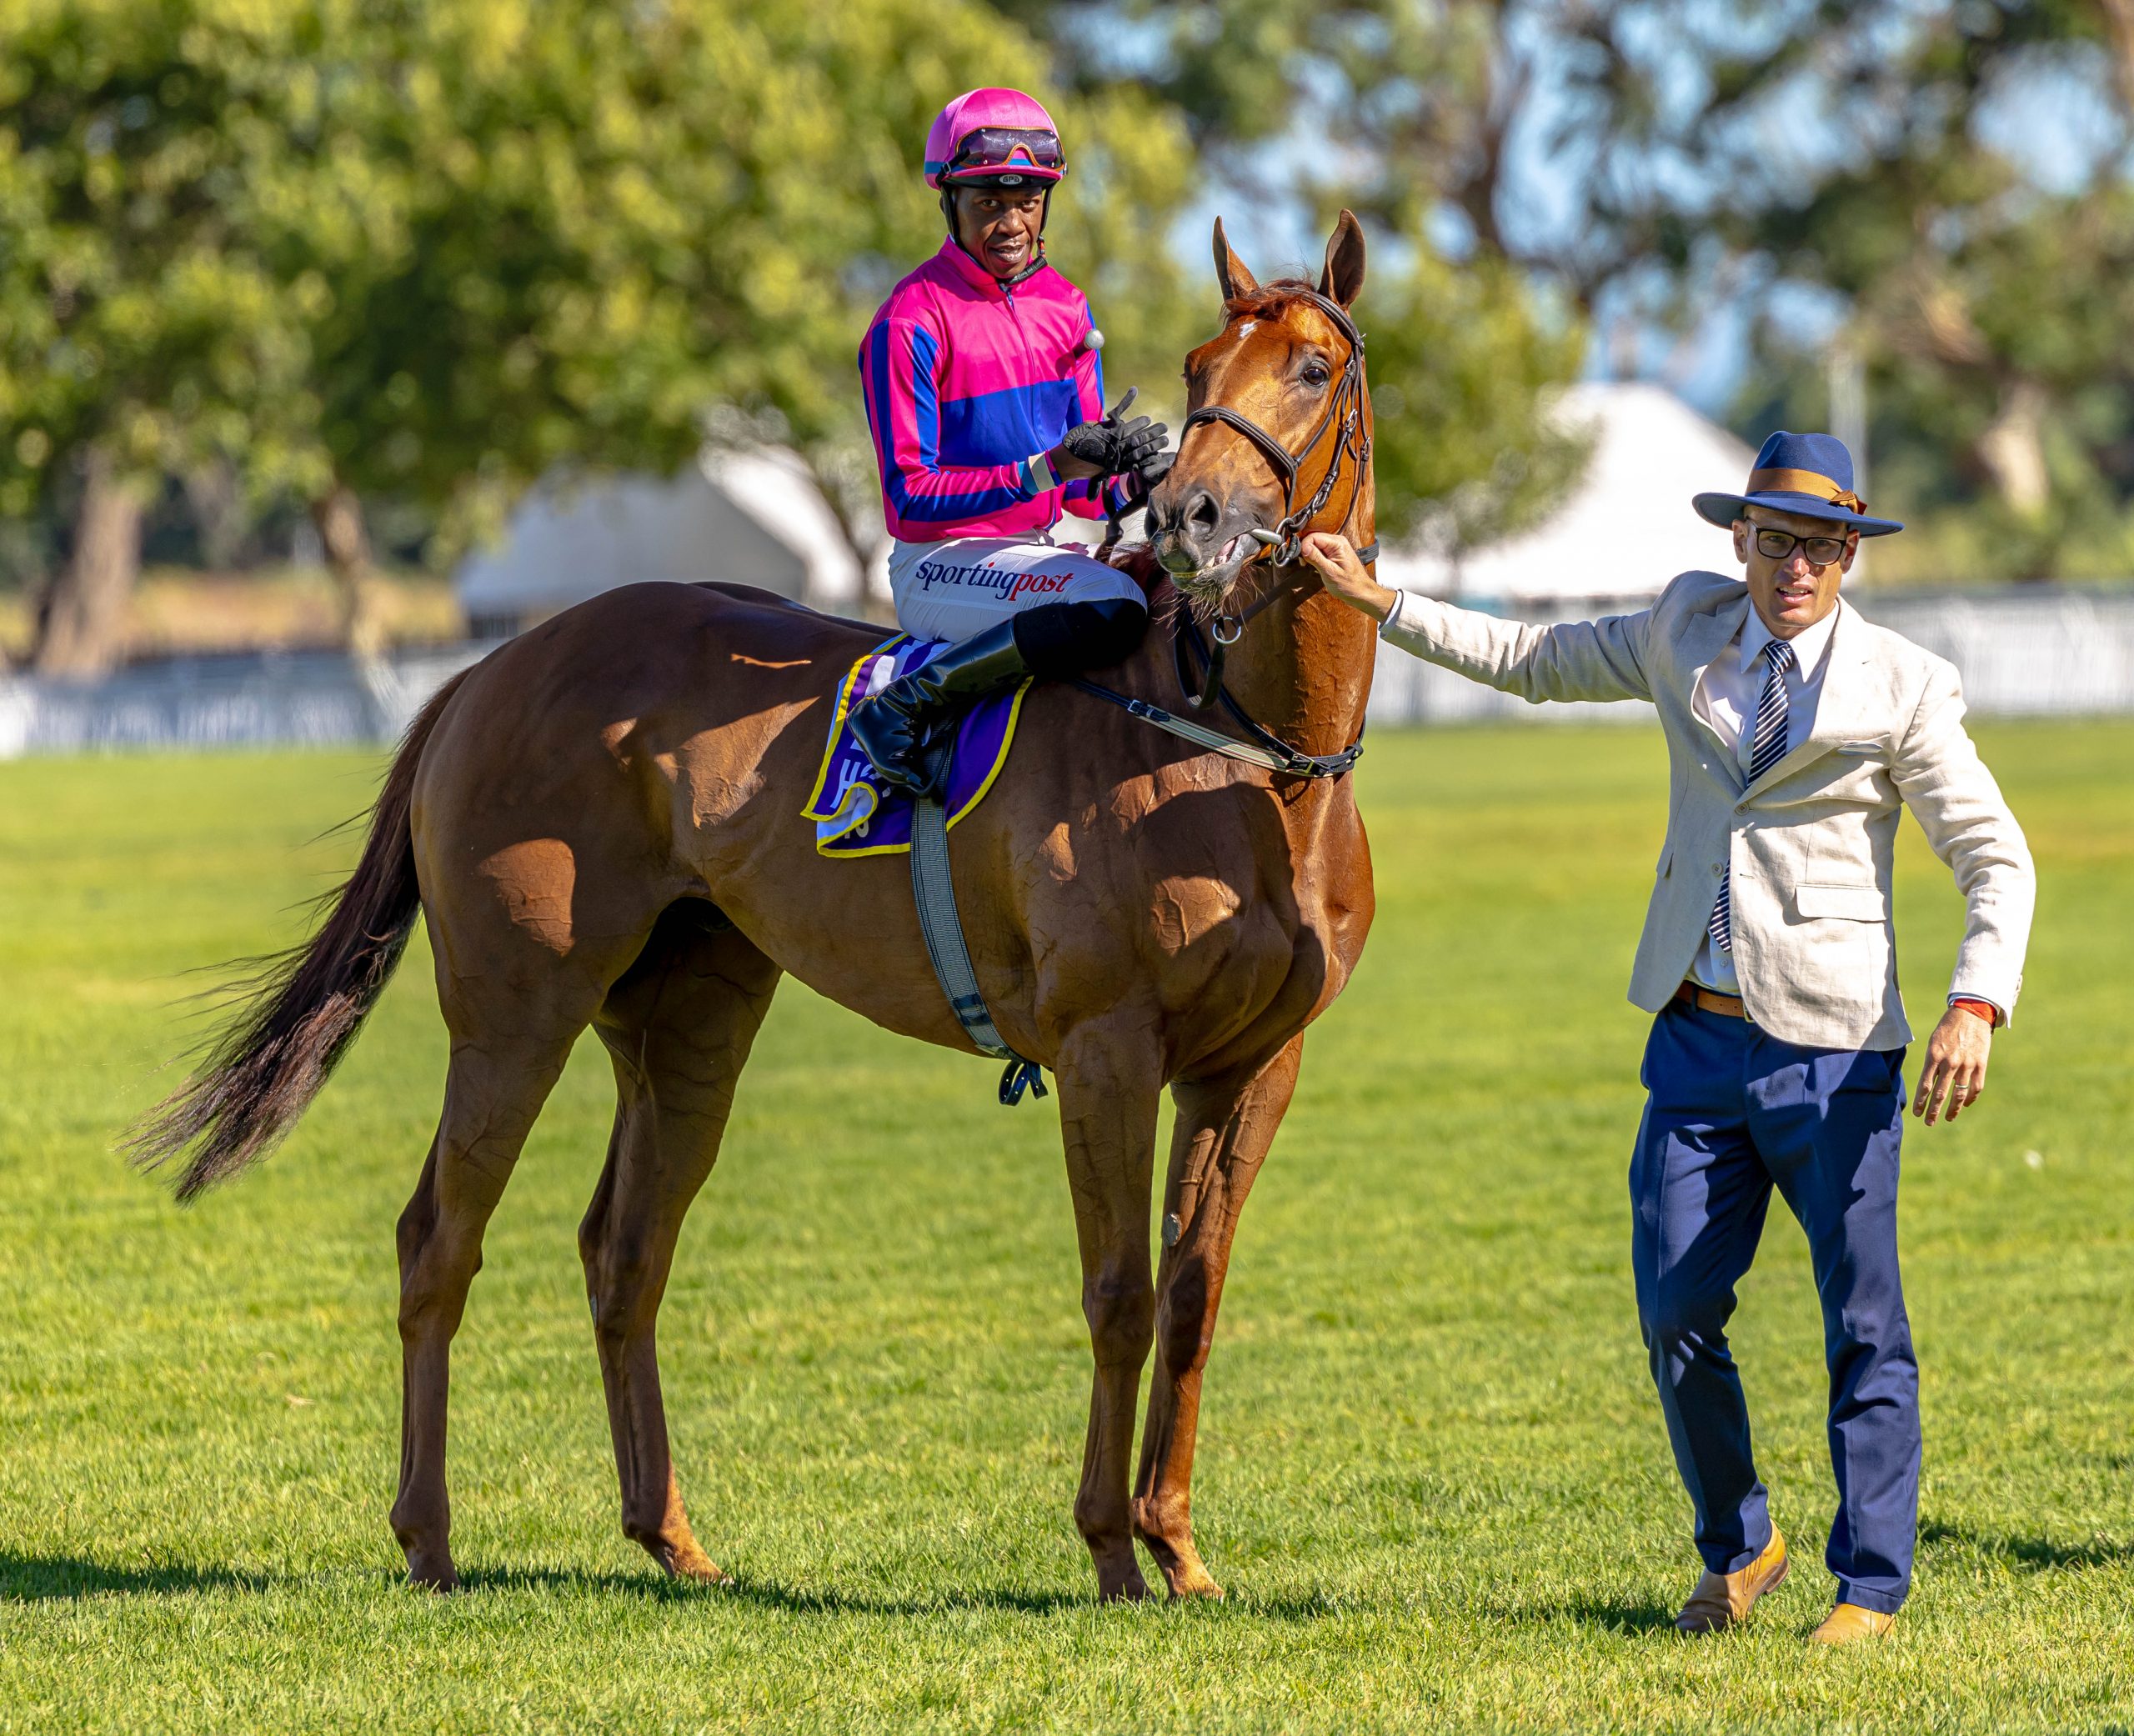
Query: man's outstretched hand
[1333,558]
[1954,1072]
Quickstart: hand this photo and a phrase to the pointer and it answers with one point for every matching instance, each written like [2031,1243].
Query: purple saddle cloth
[855,813]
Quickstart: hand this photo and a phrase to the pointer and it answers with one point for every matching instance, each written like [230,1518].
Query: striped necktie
[1773,711]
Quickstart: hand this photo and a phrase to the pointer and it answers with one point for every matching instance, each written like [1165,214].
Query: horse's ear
[1343,279]
[1230,270]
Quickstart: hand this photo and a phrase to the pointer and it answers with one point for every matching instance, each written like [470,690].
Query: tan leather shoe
[1850,1622]
[1722,1599]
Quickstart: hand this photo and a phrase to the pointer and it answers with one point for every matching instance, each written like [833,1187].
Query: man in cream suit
[1796,732]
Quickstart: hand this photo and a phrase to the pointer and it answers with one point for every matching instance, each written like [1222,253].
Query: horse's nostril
[1204,511]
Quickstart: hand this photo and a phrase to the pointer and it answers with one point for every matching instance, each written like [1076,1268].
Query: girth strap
[935,894]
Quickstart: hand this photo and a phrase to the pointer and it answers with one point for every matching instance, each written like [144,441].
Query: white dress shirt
[1726,703]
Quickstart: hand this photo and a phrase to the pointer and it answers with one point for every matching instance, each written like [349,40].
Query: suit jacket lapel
[1703,638]
[1836,706]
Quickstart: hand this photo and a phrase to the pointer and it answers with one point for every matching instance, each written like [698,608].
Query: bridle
[1351,442]
[1344,420]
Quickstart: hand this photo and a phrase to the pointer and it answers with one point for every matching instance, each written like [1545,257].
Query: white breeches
[952,590]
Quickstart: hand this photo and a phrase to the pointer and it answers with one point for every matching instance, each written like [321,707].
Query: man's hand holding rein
[1333,558]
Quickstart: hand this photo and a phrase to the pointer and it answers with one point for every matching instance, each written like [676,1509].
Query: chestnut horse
[600,824]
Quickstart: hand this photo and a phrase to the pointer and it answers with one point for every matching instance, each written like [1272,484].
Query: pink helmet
[992,134]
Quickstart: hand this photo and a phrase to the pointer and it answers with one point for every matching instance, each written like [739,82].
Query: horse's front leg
[1224,1126]
[1108,1085]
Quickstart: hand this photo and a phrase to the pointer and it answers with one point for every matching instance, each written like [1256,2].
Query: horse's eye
[1315,375]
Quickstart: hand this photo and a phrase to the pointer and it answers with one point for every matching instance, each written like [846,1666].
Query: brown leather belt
[1709,1000]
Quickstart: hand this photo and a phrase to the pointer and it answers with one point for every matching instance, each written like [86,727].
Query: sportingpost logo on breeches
[1006,582]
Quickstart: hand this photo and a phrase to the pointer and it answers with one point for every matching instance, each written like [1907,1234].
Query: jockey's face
[999,226]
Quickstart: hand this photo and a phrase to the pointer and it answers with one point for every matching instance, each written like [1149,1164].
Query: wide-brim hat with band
[1810,474]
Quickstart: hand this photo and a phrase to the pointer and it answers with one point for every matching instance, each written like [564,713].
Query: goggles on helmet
[990,150]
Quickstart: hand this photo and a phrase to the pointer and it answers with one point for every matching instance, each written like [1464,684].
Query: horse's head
[1278,419]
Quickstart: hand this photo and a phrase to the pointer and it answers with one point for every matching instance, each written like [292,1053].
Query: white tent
[1624,529]
[752,518]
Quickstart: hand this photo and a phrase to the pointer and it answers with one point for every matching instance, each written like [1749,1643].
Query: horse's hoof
[1178,1562]
[679,1555]
[1185,1574]
[692,1564]
[1129,1589]
[432,1576]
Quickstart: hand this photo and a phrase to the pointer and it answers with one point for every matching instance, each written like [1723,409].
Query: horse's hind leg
[524,956]
[495,1088]
[678,1027]
[1224,1127]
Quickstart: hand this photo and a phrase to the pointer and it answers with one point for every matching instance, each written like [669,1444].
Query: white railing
[311,698]
[2021,653]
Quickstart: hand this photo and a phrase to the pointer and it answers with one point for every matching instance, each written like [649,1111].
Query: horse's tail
[303,1008]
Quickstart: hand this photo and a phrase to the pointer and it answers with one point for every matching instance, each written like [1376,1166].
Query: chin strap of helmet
[1035,265]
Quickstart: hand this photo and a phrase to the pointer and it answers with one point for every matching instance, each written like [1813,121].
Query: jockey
[985,398]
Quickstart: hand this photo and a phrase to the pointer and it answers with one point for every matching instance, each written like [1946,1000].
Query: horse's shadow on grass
[770,1594]
[60,1579]
[767,1595]
[2032,1554]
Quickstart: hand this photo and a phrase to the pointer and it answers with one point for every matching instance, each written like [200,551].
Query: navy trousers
[1731,1113]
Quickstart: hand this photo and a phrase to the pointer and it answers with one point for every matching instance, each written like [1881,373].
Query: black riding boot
[897,727]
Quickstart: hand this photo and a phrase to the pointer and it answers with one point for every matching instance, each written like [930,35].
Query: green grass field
[1432,1475]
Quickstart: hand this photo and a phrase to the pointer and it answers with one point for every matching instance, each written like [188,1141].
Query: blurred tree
[432,250]
[134,320]
[1465,445]
[1937,188]
[1941,189]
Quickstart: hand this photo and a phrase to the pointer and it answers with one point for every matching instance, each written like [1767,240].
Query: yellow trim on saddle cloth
[887,647]
[846,688]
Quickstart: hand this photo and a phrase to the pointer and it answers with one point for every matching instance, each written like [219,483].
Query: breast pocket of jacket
[1813,902]
[1854,775]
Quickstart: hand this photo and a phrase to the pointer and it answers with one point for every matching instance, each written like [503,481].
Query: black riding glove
[1116,445]
[1152,470]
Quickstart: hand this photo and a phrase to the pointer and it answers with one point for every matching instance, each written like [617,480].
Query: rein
[1266,750]
[1282,546]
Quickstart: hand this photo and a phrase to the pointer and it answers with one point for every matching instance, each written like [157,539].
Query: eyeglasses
[996,147]
[1778,545]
